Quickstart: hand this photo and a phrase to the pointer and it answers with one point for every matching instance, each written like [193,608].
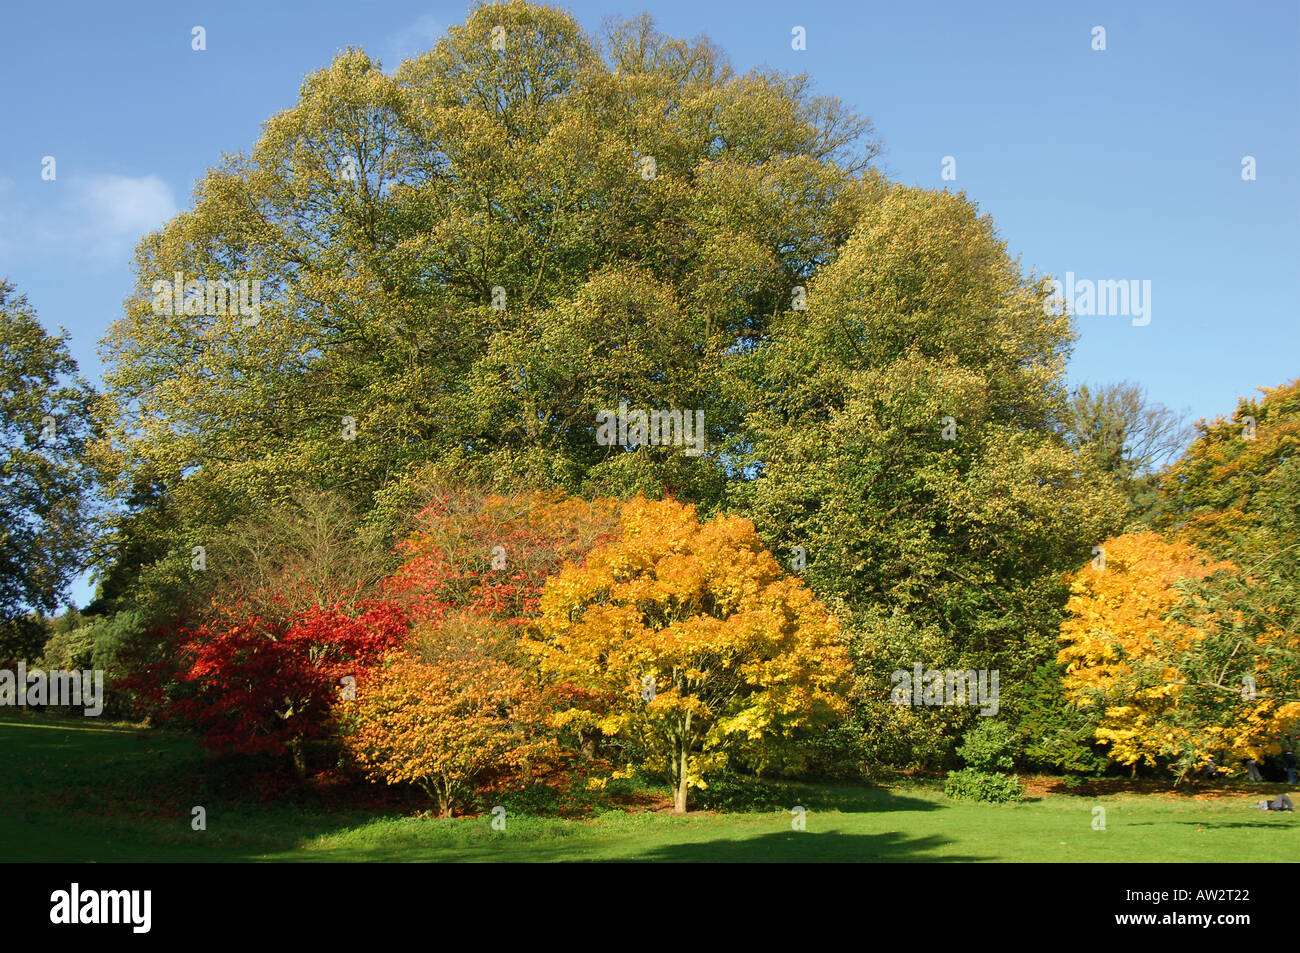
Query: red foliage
[448,562]
[260,685]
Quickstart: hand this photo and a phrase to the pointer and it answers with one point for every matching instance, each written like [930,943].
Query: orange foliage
[448,725]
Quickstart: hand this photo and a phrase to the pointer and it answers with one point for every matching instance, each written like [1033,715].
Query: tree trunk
[683,766]
[299,752]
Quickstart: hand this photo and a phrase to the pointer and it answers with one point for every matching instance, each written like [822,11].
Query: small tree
[696,643]
[264,685]
[989,751]
[1159,642]
[447,724]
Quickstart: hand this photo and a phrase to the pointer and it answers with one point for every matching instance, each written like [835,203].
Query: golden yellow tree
[1172,675]
[686,640]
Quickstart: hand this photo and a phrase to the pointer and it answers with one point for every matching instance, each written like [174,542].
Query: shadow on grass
[718,846]
[76,791]
[1197,789]
[847,797]
[808,847]
[1264,822]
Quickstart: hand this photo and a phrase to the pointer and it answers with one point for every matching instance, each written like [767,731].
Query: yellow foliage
[687,638]
[1126,651]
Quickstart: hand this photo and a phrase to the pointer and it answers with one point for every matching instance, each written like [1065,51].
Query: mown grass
[80,790]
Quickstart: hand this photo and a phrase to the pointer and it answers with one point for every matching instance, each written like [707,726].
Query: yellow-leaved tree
[1171,676]
[686,641]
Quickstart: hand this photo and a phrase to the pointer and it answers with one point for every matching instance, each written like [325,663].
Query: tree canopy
[467,260]
[45,485]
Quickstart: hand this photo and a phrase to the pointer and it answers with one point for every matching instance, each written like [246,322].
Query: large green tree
[462,263]
[45,488]
[905,441]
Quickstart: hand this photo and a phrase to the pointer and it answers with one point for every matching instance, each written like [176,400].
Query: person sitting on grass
[1280,803]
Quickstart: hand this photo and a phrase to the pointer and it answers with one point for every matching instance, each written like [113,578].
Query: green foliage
[990,750]
[947,552]
[990,746]
[45,487]
[737,792]
[970,784]
[70,650]
[835,751]
[1231,492]
[22,638]
[474,171]
[1055,733]
[114,635]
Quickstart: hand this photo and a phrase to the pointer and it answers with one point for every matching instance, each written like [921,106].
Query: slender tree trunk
[683,766]
[299,752]
[444,800]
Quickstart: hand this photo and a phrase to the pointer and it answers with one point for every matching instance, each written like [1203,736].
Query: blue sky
[1122,164]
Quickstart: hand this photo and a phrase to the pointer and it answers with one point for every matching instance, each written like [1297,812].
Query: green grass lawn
[78,790]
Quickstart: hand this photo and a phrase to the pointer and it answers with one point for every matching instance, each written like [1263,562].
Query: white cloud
[96,217]
[122,207]
[420,36]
